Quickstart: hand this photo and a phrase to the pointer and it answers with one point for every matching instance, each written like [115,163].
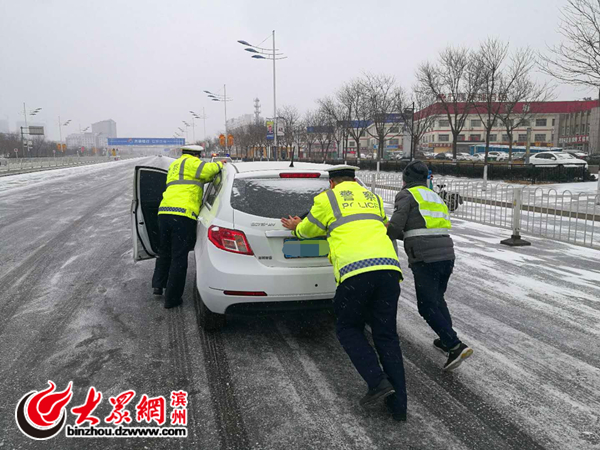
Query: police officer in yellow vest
[368,274]
[177,221]
[422,221]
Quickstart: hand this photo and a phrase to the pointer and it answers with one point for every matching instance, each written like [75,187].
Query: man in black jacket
[421,220]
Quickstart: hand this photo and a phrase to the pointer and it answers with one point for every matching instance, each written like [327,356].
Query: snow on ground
[10,183]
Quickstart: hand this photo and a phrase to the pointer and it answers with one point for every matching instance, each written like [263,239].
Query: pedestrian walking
[422,221]
[177,221]
[368,275]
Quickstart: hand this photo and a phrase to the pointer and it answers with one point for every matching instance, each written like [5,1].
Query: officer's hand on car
[291,223]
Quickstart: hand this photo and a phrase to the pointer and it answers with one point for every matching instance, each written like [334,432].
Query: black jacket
[407,217]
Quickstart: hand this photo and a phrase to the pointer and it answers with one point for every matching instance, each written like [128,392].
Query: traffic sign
[222,140]
[230,140]
[16,150]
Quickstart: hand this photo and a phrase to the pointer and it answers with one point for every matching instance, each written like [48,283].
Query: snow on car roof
[263,166]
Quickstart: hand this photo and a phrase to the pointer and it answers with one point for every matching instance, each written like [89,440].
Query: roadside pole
[515,240]
[485,177]
[598,190]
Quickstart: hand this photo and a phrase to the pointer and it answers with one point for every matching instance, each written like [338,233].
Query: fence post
[485,176]
[373,182]
[515,240]
[598,192]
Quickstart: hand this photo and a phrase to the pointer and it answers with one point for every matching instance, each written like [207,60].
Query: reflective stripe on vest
[431,207]
[171,209]
[342,220]
[426,232]
[312,219]
[199,171]
[182,169]
[368,263]
[197,183]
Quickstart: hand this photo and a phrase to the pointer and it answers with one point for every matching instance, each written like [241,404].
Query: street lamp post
[264,53]
[221,98]
[186,130]
[32,113]
[203,117]
[412,128]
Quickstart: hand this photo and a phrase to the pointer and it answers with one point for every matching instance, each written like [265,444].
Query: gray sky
[146,63]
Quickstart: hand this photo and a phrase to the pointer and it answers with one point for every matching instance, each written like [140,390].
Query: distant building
[241,121]
[567,124]
[4,126]
[78,140]
[104,130]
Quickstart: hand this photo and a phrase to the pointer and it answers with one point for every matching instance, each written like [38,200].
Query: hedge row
[496,171]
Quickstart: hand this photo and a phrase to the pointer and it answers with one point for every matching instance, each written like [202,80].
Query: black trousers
[431,282]
[177,239]
[372,297]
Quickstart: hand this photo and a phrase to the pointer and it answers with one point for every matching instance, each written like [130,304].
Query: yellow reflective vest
[434,211]
[353,220]
[185,180]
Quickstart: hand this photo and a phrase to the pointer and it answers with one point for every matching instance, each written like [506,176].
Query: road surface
[74,307]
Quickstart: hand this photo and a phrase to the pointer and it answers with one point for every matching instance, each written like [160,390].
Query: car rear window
[276,197]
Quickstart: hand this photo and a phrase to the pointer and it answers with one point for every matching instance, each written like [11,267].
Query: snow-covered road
[73,306]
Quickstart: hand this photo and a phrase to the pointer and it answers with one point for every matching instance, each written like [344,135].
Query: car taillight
[229,240]
[299,175]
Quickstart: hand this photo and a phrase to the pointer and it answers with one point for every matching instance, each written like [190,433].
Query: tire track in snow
[21,281]
[227,412]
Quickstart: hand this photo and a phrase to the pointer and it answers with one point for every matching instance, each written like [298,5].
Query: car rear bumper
[220,271]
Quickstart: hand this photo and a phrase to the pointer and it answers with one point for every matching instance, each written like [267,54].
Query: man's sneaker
[383,389]
[456,356]
[437,343]
[397,416]
[157,291]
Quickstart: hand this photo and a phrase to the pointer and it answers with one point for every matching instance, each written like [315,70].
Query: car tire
[207,319]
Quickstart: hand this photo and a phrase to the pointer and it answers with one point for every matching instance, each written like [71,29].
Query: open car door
[149,183]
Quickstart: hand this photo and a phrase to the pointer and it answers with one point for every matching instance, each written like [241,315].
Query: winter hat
[416,171]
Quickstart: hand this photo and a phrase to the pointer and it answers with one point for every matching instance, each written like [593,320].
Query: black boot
[383,389]
[169,305]
[398,416]
[157,291]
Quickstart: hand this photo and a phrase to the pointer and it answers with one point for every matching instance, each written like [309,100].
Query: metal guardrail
[21,165]
[564,216]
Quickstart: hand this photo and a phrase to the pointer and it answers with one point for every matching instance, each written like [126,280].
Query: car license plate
[305,248]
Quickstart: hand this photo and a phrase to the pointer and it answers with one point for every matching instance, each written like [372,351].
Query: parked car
[518,156]
[245,258]
[443,156]
[497,156]
[576,153]
[555,159]
[463,156]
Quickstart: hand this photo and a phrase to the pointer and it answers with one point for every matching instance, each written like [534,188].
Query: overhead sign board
[145,141]
[36,131]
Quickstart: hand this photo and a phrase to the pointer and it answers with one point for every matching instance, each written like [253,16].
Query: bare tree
[380,102]
[519,105]
[455,82]
[289,117]
[310,119]
[323,128]
[499,75]
[419,103]
[576,60]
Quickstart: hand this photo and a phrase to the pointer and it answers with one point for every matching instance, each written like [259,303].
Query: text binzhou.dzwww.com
[128,432]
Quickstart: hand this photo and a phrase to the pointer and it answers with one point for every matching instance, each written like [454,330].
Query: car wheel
[207,319]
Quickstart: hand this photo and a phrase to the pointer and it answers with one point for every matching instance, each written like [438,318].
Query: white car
[497,156]
[245,258]
[221,158]
[555,159]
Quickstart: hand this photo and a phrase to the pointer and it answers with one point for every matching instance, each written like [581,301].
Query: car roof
[277,166]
